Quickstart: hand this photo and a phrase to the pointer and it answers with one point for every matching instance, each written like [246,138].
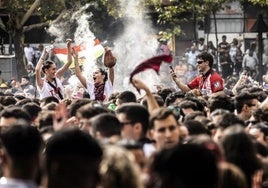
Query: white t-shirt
[108,90]
[48,90]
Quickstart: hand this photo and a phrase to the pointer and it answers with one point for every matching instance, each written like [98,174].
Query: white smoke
[136,43]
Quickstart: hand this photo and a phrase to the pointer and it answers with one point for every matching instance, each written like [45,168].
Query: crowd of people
[200,133]
[229,60]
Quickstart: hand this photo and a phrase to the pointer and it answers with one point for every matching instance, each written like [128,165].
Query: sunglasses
[200,62]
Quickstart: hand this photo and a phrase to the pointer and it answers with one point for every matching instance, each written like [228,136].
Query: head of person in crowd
[21,146]
[200,102]
[8,100]
[164,128]
[106,128]
[21,100]
[224,121]
[76,104]
[45,119]
[164,92]
[186,166]
[260,92]
[205,57]
[50,106]
[224,37]
[157,97]
[240,150]
[187,107]
[86,112]
[49,68]
[260,132]
[259,115]
[219,100]
[72,160]
[48,100]
[33,110]
[134,119]
[231,176]
[174,98]
[207,142]
[245,104]
[195,115]
[126,97]
[119,168]
[13,115]
[100,76]
[25,80]
[195,127]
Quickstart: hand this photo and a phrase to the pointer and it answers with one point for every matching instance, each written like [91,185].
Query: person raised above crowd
[51,84]
[101,87]
[208,82]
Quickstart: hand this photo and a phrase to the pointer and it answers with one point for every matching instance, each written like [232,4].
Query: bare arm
[180,85]
[38,69]
[111,75]
[242,80]
[151,101]
[64,68]
[77,69]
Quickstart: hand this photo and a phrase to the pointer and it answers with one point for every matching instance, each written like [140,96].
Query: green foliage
[262,3]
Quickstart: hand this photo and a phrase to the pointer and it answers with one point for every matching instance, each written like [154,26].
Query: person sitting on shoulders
[51,84]
[208,82]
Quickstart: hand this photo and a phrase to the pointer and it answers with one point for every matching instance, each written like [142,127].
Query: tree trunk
[18,41]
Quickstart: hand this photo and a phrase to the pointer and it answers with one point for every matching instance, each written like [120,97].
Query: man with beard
[208,82]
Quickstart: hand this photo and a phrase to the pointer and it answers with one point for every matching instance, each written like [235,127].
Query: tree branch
[30,12]
[34,26]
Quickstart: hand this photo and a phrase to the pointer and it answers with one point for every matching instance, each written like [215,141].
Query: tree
[19,12]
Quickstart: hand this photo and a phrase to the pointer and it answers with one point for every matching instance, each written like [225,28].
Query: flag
[85,52]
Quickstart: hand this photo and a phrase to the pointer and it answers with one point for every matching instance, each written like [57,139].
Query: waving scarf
[152,63]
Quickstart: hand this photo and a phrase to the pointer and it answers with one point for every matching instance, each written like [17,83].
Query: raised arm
[64,68]
[180,85]
[110,61]
[111,75]
[77,69]
[38,69]
[242,80]
[151,101]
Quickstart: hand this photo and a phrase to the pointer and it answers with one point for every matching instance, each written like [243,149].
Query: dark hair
[21,141]
[195,127]
[107,124]
[17,113]
[26,77]
[72,159]
[103,72]
[33,109]
[187,166]
[49,99]
[240,150]
[242,99]
[206,57]
[126,96]
[173,96]
[160,114]
[135,113]
[47,64]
